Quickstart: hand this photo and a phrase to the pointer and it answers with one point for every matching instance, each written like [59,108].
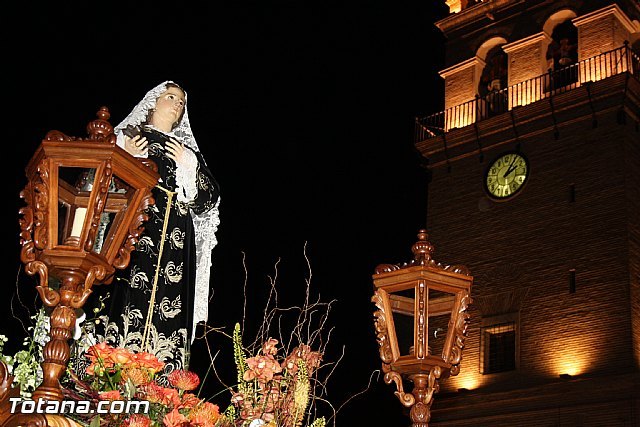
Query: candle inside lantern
[78,222]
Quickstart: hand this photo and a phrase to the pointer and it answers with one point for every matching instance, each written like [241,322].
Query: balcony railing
[617,61]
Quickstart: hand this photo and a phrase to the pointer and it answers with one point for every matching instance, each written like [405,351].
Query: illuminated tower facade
[535,186]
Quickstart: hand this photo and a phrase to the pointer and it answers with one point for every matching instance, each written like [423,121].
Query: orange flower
[99,355]
[183,380]
[270,398]
[170,396]
[205,414]
[155,393]
[148,361]
[137,420]
[96,368]
[101,350]
[111,395]
[152,392]
[120,355]
[137,375]
[174,419]
[190,400]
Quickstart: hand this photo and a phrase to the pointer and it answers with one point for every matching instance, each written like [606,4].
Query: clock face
[506,175]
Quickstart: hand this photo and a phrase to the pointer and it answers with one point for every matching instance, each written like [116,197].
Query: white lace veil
[206,223]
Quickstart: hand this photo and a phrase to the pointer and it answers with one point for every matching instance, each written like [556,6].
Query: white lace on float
[186,177]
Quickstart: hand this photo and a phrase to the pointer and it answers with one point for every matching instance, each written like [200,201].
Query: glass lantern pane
[439,313]
[116,203]
[64,219]
[73,199]
[75,186]
[402,309]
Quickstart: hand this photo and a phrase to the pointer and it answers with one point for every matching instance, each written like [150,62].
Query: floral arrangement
[117,374]
[276,380]
[272,391]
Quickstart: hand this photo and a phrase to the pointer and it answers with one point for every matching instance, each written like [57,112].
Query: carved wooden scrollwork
[60,421]
[56,135]
[33,225]
[96,272]
[27,253]
[386,268]
[407,399]
[6,392]
[26,420]
[460,333]
[36,196]
[421,397]
[381,328]
[422,256]
[50,297]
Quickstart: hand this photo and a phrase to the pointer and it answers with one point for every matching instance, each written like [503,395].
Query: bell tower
[538,144]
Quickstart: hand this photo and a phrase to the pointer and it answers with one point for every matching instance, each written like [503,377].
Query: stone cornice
[471,62]
[527,41]
[474,14]
[614,10]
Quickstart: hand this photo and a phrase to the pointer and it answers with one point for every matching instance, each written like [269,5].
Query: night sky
[304,112]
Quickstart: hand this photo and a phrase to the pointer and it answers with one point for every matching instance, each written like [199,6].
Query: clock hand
[510,168]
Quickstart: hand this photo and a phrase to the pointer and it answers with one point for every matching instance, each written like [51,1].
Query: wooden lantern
[85,202]
[421,324]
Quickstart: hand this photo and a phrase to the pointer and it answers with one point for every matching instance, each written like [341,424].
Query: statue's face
[170,104]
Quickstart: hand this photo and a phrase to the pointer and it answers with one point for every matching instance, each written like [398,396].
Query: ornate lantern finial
[422,249]
[101,126]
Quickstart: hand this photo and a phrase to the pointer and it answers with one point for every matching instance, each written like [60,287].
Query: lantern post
[421,324]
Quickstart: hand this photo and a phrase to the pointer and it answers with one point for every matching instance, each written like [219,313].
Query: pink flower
[270,399]
[269,347]
[237,399]
[303,352]
[261,368]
